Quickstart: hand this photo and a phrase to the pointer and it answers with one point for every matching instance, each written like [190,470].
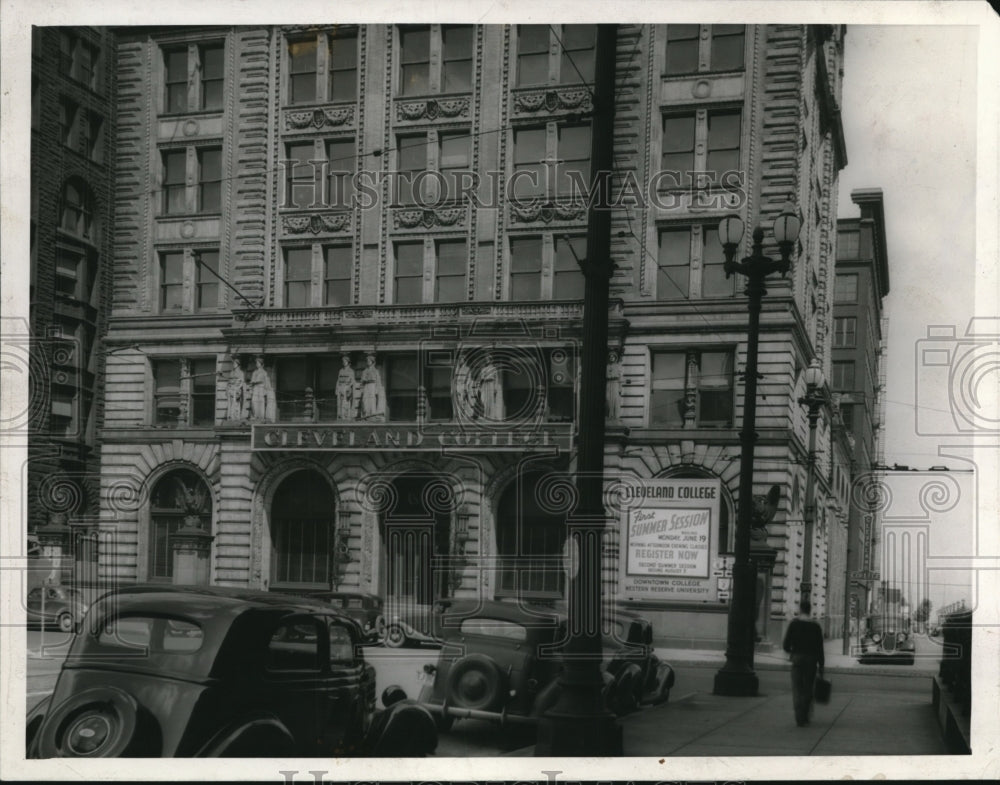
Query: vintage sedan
[364,607]
[58,606]
[887,641]
[500,661]
[168,671]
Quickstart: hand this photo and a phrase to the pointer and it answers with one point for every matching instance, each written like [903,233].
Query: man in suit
[804,642]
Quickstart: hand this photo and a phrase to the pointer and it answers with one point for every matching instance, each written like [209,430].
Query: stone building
[382,395]
[72,161]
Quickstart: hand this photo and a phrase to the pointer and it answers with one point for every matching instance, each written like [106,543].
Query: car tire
[395,638]
[380,628]
[475,682]
[65,622]
[102,722]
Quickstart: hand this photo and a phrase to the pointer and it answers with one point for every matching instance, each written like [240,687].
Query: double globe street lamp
[813,400]
[737,676]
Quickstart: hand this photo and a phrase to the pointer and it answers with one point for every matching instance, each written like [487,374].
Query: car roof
[165,598]
[504,610]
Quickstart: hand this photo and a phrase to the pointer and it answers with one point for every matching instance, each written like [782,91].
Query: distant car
[365,608]
[408,623]
[169,671]
[499,661]
[886,642]
[55,606]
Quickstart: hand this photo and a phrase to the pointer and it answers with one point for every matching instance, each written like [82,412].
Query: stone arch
[272,475]
[149,484]
[727,510]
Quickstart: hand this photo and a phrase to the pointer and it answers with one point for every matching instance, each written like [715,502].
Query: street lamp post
[737,677]
[814,399]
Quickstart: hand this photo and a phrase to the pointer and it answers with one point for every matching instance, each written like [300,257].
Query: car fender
[405,729]
[130,731]
[32,723]
[263,736]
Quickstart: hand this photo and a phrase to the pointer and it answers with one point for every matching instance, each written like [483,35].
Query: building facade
[72,164]
[859,338]
[347,304]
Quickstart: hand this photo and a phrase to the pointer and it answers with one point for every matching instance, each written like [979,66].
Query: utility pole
[579,723]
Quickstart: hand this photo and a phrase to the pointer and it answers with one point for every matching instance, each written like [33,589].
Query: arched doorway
[177,496]
[530,540]
[303,517]
[416,525]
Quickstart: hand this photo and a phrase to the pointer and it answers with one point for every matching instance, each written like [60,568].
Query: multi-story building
[862,281]
[325,369]
[72,161]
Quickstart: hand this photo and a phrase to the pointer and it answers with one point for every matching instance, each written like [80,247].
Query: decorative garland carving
[427,218]
[546,212]
[318,118]
[577,98]
[432,109]
[316,223]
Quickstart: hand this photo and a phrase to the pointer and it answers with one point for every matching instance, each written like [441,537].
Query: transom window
[193,77]
[691,388]
[573,64]
[689,51]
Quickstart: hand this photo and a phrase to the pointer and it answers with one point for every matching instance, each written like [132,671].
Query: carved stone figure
[262,402]
[613,388]
[491,391]
[345,389]
[464,390]
[236,393]
[372,392]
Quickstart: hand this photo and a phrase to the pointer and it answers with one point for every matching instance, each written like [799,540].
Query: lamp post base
[564,735]
[740,684]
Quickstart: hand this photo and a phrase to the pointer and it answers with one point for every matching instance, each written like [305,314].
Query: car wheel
[621,694]
[475,682]
[102,722]
[380,628]
[65,622]
[395,638]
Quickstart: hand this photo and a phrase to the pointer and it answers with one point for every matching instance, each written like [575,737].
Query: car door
[294,677]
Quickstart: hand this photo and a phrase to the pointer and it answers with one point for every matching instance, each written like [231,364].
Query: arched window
[77,210]
[179,497]
[530,541]
[303,516]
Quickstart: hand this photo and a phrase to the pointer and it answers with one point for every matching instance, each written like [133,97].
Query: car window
[35,594]
[341,645]
[152,633]
[53,594]
[354,602]
[496,628]
[294,645]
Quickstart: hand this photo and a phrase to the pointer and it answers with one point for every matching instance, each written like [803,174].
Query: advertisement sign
[670,532]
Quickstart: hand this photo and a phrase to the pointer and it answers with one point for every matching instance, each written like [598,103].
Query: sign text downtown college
[362,437]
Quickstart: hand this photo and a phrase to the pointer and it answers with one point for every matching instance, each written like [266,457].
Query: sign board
[670,530]
[366,437]
[865,575]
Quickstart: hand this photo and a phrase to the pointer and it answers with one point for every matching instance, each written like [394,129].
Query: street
[889,691]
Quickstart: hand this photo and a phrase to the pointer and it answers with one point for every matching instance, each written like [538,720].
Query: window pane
[673,264]
[713,277]
[574,152]
[337,275]
[526,255]
[666,407]
[723,143]
[210,177]
[343,68]
[846,289]
[533,54]
[176,79]
[457,67]
[174,174]
[452,261]
[411,159]
[302,69]
[678,148]
[682,49]
[300,176]
[529,152]
[727,47]
[668,370]
[577,58]
[212,65]
[415,45]
[341,164]
[568,280]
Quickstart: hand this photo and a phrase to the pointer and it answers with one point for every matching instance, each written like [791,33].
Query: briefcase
[822,690]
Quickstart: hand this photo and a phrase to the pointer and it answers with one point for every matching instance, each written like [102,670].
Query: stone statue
[491,391]
[372,391]
[237,400]
[464,391]
[262,403]
[613,388]
[345,389]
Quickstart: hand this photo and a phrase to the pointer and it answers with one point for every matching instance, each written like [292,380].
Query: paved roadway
[867,686]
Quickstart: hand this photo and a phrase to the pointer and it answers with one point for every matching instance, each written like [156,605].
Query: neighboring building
[72,162]
[859,338]
[373,445]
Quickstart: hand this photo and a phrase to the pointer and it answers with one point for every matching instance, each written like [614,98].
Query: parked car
[500,661]
[408,623]
[886,641]
[55,606]
[169,671]
[365,608]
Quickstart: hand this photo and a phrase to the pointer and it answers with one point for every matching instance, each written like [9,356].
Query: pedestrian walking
[804,642]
